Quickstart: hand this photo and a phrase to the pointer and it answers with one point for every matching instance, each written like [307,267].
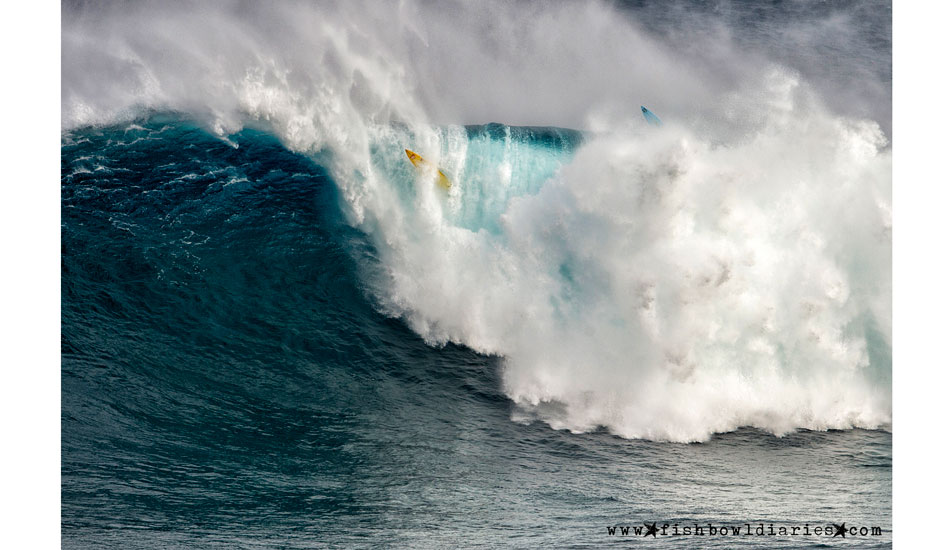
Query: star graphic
[651,530]
[839,530]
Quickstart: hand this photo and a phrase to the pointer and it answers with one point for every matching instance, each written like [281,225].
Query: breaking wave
[730,268]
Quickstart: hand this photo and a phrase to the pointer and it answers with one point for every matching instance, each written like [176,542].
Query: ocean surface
[278,333]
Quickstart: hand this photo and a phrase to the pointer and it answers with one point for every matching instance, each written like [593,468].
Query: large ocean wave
[731,268]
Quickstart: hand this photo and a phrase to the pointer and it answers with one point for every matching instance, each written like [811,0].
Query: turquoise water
[279,333]
[228,382]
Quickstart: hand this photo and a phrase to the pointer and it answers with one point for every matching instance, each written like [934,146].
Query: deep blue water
[228,382]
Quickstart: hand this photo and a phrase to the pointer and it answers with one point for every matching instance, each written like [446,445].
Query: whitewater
[729,269]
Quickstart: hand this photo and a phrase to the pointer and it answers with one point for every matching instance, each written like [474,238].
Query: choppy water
[276,332]
[227,380]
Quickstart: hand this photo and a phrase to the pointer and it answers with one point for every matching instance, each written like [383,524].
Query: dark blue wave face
[226,380]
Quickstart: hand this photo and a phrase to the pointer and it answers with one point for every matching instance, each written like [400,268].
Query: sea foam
[731,268]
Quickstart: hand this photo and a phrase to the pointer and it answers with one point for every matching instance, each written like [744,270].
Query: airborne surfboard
[422,163]
[651,118]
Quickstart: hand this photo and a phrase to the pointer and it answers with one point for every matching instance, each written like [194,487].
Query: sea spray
[727,269]
[669,288]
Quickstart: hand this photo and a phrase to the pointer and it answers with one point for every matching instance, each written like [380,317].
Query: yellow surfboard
[420,162]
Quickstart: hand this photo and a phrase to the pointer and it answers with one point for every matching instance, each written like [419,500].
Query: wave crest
[731,268]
